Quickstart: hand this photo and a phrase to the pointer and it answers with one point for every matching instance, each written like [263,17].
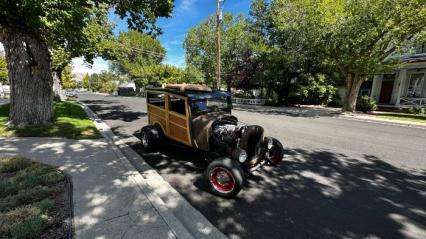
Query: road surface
[340,178]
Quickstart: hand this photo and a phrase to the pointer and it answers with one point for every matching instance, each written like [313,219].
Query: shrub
[365,104]
[23,197]
[30,228]
[44,205]
[53,177]
[336,100]
[413,110]
[7,188]
[12,164]
[419,111]
[13,218]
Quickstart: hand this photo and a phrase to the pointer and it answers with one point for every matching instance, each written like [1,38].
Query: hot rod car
[200,118]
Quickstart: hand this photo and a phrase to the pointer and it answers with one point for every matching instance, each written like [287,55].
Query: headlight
[243,156]
[270,143]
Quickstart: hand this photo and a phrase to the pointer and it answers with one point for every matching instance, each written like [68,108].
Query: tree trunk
[28,63]
[353,84]
[58,93]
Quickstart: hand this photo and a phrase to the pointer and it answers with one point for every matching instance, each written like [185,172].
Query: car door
[178,122]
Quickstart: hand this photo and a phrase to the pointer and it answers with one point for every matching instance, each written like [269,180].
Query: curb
[383,122]
[183,219]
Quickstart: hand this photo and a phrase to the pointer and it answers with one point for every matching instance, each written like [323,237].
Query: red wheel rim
[222,180]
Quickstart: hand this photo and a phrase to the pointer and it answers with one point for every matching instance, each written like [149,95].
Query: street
[340,178]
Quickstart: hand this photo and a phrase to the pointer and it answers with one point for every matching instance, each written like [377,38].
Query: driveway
[340,178]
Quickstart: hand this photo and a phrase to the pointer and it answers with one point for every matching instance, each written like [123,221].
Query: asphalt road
[340,178]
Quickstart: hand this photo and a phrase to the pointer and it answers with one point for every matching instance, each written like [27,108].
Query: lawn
[71,122]
[34,199]
[403,117]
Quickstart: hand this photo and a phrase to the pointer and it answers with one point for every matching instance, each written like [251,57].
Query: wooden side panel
[177,120]
[157,115]
[178,128]
[178,133]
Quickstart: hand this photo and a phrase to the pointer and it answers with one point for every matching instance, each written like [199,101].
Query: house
[405,87]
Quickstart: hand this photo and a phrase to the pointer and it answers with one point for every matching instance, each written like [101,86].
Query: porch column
[375,88]
[402,79]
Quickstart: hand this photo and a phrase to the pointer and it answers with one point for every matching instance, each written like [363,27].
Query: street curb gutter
[335,115]
[183,219]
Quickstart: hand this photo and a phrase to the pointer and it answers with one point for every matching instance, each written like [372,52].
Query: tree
[284,55]
[131,52]
[236,48]
[86,82]
[103,82]
[97,30]
[67,78]
[361,38]
[3,70]
[28,28]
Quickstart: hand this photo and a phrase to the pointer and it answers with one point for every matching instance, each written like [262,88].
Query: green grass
[70,122]
[27,192]
[403,117]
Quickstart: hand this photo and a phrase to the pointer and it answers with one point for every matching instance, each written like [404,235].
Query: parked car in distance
[126,91]
[201,119]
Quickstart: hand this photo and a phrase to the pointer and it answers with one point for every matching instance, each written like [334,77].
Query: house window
[421,48]
[415,85]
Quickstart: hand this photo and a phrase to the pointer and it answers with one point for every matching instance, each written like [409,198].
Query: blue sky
[186,14]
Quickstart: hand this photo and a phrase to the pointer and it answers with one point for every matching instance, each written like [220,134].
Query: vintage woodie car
[200,118]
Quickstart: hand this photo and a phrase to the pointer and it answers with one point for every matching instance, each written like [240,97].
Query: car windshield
[210,102]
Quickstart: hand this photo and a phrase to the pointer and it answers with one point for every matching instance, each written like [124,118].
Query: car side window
[156,99]
[177,105]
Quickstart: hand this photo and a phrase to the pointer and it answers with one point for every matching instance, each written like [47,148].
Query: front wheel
[275,151]
[226,178]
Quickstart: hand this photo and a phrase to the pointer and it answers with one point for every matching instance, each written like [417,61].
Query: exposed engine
[226,134]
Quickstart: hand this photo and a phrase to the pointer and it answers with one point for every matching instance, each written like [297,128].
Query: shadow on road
[107,111]
[316,194]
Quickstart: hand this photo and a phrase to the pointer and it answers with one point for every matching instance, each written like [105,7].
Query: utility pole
[218,43]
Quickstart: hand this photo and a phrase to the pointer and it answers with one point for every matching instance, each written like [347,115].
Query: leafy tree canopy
[131,51]
[361,38]
[236,48]
[67,79]
[159,74]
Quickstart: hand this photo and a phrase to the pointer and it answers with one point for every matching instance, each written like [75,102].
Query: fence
[413,102]
[248,101]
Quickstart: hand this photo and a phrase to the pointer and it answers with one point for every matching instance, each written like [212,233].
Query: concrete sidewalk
[108,200]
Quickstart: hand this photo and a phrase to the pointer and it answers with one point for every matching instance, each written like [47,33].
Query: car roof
[193,94]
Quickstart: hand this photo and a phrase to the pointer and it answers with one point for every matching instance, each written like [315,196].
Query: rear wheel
[149,137]
[225,177]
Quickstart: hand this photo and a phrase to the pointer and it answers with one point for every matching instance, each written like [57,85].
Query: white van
[4,91]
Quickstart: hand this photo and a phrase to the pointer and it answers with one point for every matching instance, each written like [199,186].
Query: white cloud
[178,61]
[186,5]
[79,66]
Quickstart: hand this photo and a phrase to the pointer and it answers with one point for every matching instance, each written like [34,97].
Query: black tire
[225,169]
[276,153]
[149,137]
